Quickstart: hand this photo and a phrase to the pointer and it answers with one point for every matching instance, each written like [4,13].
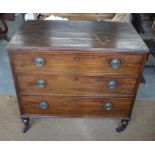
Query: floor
[6,83]
[141,128]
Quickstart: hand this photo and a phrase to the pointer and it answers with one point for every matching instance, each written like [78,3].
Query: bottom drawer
[76,106]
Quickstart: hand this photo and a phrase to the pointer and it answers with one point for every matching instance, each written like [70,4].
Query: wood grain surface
[76,106]
[77,68]
[77,35]
[97,64]
[75,85]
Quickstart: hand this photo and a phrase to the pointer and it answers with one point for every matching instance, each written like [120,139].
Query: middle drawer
[75,85]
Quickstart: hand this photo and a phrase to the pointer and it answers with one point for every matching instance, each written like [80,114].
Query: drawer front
[76,85]
[79,63]
[46,105]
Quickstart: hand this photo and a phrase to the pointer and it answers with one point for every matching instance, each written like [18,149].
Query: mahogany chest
[76,68]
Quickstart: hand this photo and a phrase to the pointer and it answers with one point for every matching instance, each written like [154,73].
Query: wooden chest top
[77,35]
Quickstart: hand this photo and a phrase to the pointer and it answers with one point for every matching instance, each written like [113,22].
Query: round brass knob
[112,84]
[108,106]
[115,63]
[39,62]
[43,105]
[41,83]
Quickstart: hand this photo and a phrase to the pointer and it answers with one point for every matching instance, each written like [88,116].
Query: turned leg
[124,123]
[26,124]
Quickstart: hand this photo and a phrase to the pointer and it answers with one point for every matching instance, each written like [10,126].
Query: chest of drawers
[76,68]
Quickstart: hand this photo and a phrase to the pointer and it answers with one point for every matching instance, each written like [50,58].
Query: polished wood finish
[75,85]
[77,68]
[97,64]
[85,35]
[76,106]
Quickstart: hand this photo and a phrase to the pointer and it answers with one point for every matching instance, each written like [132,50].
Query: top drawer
[79,63]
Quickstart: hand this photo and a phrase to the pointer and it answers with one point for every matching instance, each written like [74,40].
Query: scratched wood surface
[77,35]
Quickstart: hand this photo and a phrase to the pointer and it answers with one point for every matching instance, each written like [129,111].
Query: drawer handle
[112,84]
[43,105]
[41,83]
[39,62]
[108,106]
[77,59]
[115,63]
